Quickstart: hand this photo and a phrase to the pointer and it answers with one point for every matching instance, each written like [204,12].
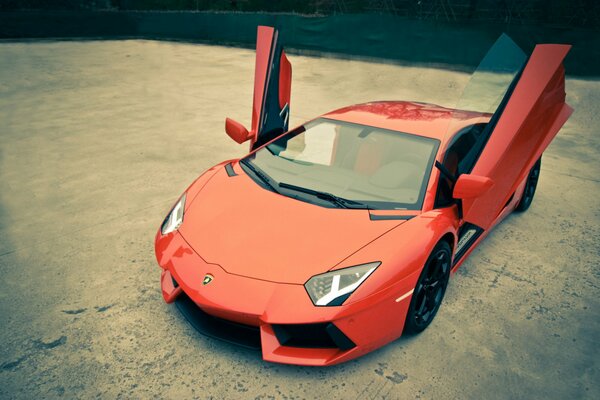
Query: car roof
[422,119]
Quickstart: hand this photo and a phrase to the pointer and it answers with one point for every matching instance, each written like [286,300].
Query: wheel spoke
[435,269]
[441,271]
[438,295]
[432,302]
[421,301]
[440,267]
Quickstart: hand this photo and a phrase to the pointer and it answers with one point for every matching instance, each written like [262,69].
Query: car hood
[253,232]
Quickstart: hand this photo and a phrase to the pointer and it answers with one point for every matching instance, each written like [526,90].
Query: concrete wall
[378,36]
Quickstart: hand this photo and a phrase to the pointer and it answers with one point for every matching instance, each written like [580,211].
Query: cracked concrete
[98,138]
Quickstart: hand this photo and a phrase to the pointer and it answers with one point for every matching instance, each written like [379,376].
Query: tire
[530,186]
[429,290]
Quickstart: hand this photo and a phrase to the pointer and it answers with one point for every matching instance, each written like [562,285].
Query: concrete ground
[97,140]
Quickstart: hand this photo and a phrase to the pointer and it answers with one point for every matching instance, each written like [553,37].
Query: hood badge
[208,278]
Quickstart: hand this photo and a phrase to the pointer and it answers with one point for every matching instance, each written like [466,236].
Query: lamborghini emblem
[208,278]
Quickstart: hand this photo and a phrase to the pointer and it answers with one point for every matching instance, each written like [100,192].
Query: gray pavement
[99,138]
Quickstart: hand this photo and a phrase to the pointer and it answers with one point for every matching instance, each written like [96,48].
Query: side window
[459,159]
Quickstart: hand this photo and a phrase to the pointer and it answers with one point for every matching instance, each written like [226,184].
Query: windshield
[346,164]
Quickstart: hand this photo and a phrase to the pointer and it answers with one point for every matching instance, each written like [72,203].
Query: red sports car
[330,240]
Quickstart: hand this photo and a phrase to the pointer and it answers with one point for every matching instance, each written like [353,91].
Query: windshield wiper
[261,175]
[340,201]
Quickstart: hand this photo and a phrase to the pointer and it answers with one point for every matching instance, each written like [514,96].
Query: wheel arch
[449,238]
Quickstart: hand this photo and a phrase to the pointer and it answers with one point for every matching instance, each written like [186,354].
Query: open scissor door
[527,100]
[272,88]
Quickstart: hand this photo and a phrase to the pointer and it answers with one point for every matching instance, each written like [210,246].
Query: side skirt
[467,236]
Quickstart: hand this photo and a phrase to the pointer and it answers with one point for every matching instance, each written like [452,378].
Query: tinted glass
[493,77]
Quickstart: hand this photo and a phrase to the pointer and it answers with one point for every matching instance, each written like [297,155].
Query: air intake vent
[324,335]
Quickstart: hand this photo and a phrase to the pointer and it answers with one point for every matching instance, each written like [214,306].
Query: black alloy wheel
[530,186]
[430,289]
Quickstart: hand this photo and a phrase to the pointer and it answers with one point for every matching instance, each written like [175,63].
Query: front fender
[191,193]
[403,252]
[196,186]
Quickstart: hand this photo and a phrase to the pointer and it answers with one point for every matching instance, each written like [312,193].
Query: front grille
[324,335]
[218,328]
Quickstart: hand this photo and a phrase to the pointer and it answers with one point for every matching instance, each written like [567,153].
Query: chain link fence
[557,13]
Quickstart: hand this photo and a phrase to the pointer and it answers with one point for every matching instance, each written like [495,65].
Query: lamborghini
[336,237]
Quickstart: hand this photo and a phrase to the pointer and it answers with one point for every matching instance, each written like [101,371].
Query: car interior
[356,162]
[460,158]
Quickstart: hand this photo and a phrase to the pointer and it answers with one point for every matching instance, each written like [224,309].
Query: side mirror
[469,186]
[236,131]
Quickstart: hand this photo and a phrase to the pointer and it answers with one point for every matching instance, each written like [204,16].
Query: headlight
[175,217]
[333,288]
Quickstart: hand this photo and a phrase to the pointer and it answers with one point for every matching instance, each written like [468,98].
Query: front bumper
[278,317]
